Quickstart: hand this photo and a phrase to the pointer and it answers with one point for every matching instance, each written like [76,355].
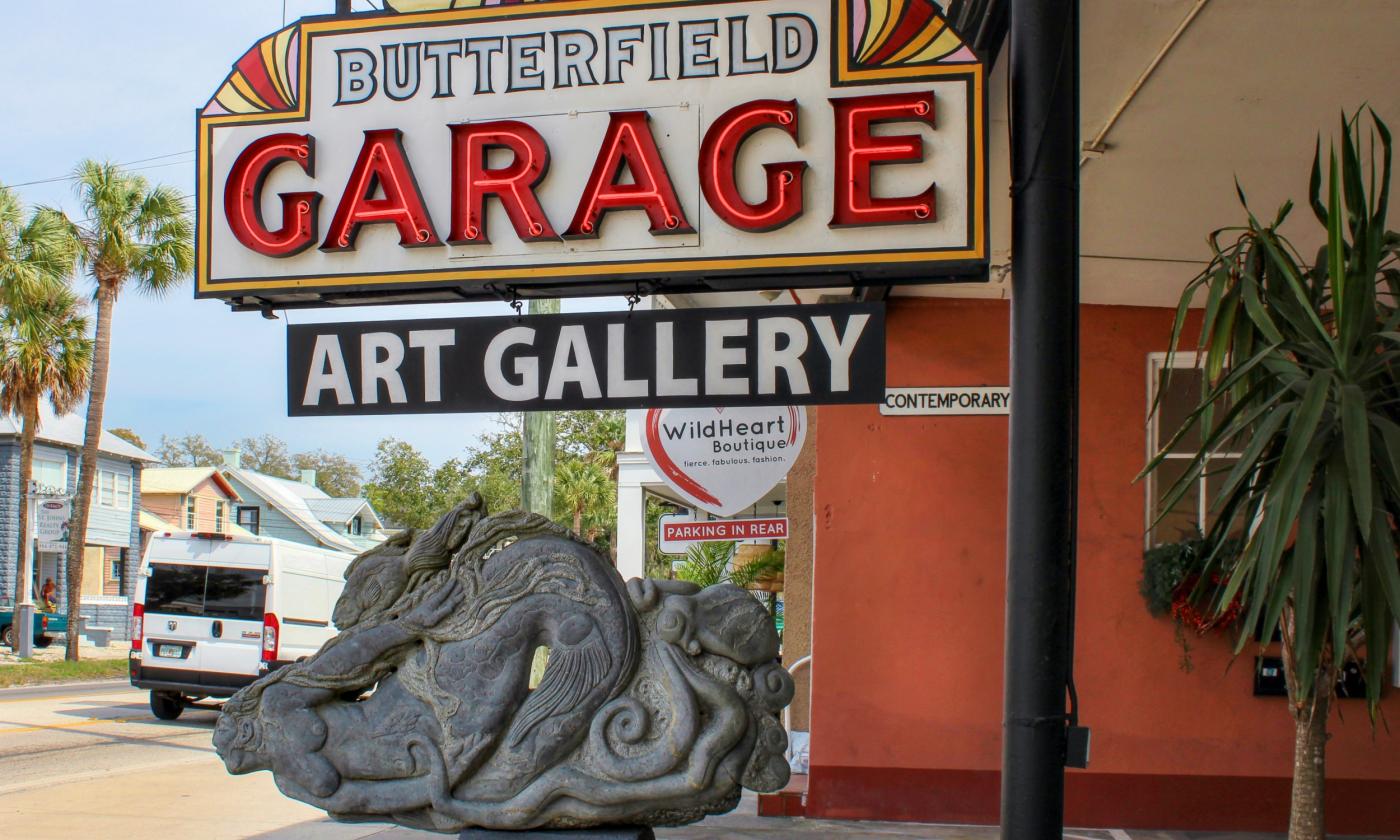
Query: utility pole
[1044,55]
[344,7]
[537,485]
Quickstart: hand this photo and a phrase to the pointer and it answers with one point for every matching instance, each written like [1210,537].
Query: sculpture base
[611,833]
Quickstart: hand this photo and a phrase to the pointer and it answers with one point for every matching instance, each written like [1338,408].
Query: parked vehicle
[214,612]
[47,627]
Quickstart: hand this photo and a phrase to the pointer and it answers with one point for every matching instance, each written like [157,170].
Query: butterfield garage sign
[568,147]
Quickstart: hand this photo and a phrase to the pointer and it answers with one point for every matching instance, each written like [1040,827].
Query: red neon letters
[857,151]
[628,141]
[243,196]
[381,188]
[718,154]
[382,165]
[514,185]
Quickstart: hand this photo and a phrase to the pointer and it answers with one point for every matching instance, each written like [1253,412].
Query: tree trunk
[1307,812]
[87,468]
[578,521]
[1307,816]
[29,414]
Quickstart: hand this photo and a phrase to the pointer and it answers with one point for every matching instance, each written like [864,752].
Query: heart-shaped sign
[722,460]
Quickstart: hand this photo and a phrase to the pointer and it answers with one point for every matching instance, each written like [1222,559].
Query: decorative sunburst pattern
[438,5]
[893,33]
[264,80]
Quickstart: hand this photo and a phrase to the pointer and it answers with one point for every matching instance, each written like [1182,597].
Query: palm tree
[1303,373]
[131,232]
[36,251]
[45,351]
[36,255]
[582,484]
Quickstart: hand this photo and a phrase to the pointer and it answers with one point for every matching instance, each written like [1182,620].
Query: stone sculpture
[657,705]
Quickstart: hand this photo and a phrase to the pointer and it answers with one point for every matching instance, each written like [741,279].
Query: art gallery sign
[567,147]
[745,356]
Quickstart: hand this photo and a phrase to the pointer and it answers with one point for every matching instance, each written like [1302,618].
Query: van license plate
[170,651]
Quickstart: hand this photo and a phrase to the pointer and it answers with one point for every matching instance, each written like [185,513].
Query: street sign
[936,401]
[678,531]
[590,147]
[762,355]
[723,460]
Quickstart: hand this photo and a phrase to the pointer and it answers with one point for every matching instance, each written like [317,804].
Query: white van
[215,612]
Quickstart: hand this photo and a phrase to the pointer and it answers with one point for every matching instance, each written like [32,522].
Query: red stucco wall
[908,614]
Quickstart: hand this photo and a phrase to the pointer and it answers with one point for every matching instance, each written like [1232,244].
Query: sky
[120,80]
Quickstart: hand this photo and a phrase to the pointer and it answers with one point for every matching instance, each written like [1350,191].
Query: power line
[129,165]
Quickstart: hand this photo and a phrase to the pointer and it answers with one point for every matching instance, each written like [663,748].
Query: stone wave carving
[658,704]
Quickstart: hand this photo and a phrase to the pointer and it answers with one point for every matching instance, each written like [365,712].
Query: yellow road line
[53,698]
[88,722]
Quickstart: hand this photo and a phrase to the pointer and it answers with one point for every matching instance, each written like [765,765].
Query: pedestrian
[49,595]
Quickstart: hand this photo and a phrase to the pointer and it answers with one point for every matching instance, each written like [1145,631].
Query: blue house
[111,548]
[299,511]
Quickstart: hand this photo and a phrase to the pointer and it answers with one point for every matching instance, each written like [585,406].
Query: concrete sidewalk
[744,824]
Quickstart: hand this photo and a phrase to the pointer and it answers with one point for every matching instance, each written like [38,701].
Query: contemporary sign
[723,460]
[584,146]
[763,355]
[677,531]
[51,517]
[935,401]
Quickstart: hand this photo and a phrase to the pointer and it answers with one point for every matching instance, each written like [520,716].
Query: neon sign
[585,146]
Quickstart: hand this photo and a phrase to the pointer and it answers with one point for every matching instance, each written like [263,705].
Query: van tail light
[269,638]
[138,622]
[43,622]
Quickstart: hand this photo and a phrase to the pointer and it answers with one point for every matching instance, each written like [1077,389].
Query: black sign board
[768,355]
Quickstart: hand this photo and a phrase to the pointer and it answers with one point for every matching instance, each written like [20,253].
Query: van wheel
[43,641]
[166,706]
[7,635]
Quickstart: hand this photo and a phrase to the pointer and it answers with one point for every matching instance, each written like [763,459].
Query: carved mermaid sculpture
[657,704]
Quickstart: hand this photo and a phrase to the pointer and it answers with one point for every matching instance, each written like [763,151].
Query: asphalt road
[54,735]
[78,761]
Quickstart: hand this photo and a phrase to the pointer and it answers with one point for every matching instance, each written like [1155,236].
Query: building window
[191,510]
[114,489]
[248,518]
[220,526]
[357,526]
[50,474]
[1181,393]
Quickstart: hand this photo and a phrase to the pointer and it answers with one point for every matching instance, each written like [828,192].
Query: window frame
[109,489]
[257,518]
[1156,363]
[220,516]
[44,457]
[191,512]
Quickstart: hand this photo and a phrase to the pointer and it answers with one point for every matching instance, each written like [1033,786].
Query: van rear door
[174,622]
[233,605]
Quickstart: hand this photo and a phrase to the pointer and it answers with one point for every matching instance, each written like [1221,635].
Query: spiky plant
[1302,374]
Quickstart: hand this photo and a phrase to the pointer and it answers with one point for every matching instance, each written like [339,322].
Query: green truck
[47,627]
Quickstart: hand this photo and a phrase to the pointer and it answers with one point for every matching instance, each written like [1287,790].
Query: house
[187,498]
[112,542]
[354,518]
[192,498]
[299,511]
